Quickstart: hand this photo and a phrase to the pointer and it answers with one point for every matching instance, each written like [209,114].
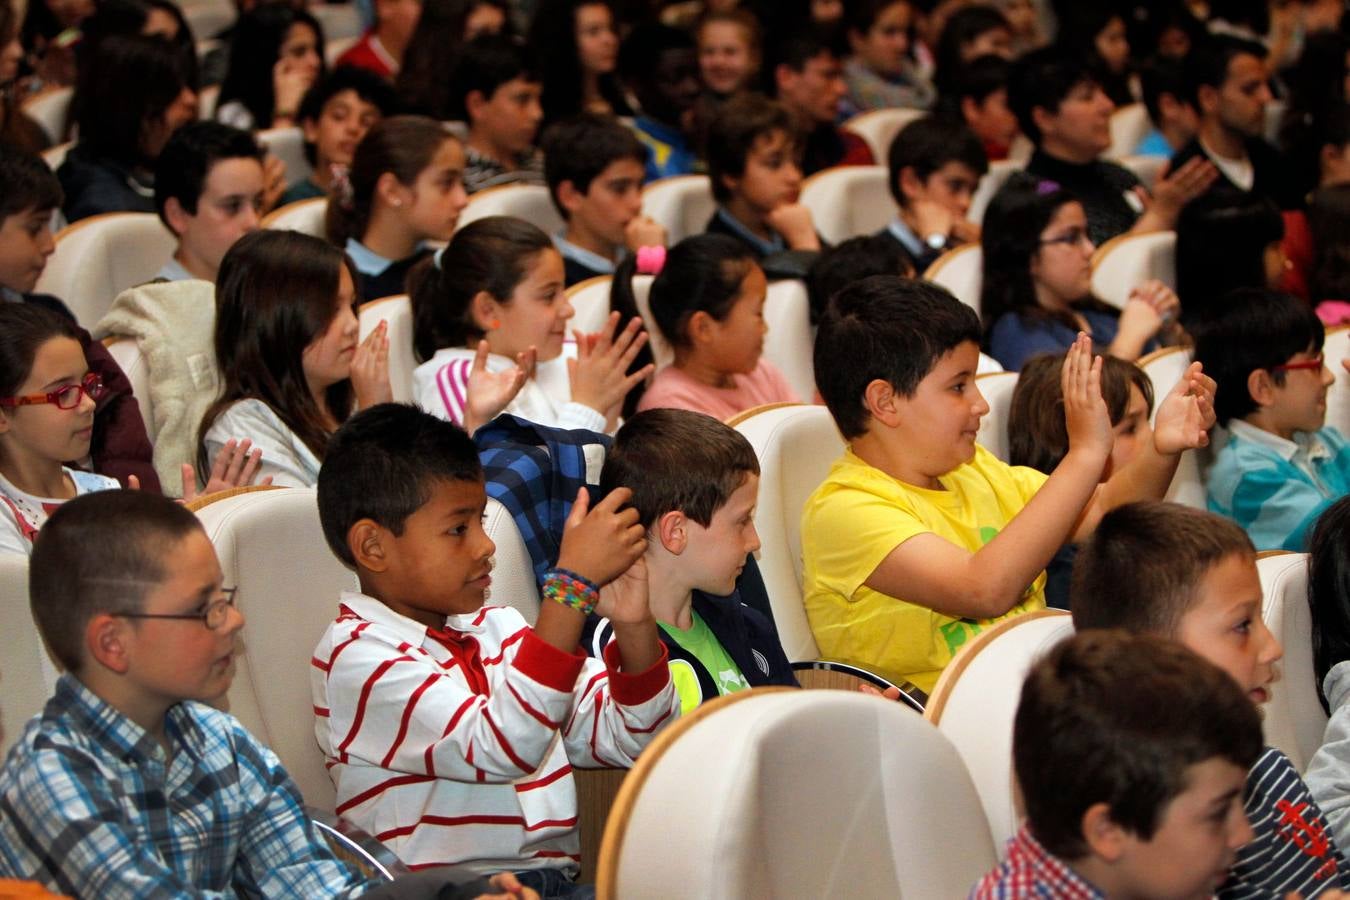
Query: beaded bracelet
[570,589]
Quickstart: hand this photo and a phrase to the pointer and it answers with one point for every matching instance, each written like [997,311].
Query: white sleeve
[11,537]
[253,420]
[442,390]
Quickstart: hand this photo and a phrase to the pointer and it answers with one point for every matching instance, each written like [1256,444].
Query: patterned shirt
[1029,870]
[482,172]
[92,806]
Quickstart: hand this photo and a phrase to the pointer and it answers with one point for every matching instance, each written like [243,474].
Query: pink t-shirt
[673,388]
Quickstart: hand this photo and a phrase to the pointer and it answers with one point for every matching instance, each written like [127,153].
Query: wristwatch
[937,240]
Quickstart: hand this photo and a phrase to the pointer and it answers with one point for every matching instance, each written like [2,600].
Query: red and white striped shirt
[456,746]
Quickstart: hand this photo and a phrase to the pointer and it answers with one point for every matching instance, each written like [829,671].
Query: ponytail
[402,145]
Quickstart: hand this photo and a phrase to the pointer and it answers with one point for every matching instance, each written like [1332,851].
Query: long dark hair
[128,83]
[275,295]
[424,79]
[254,50]
[1329,220]
[493,254]
[1329,591]
[553,46]
[1221,240]
[702,273]
[402,145]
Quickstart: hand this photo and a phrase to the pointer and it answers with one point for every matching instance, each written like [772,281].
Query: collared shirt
[581,263]
[736,228]
[482,172]
[1030,871]
[1304,452]
[92,806]
[173,270]
[367,261]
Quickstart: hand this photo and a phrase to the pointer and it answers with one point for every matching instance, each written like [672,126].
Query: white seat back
[524,201]
[27,674]
[682,204]
[136,367]
[333,50]
[304,216]
[50,110]
[1146,168]
[1336,347]
[880,126]
[662,352]
[755,791]
[993,180]
[1129,125]
[796,446]
[338,20]
[271,548]
[960,271]
[513,581]
[207,99]
[848,201]
[1294,721]
[997,388]
[590,299]
[975,700]
[288,145]
[791,339]
[1126,261]
[99,257]
[208,19]
[396,311]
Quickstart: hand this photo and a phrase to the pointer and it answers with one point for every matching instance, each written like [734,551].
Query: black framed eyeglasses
[1071,238]
[212,615]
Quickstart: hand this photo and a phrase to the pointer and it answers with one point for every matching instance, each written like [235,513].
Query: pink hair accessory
[651,260]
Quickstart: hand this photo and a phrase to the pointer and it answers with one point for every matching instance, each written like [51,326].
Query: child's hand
[274,182]
[793,222]
[235,466]
[1139,322]
[599,374]
[1186,414]
[1173,190]
[625,600]
[370,369]
[1159,296]
[600,544]
[290,81]
[510,888]
[932,218]
[1086,418]
[891,693]
[643,231]
[491,392]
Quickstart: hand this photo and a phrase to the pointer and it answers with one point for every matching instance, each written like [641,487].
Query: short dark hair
[189,155]
[853,260]
[861,15]
[978,79]
[886,327]
[580,148]
[677,459]
[1258,329]
[1162,76]
[77,571]
[1037,433]
[24,328]
[1221,240]
[1044,79]
[641,51]
[368,86]
[26,183]
[1116,718]
[702,273]
[735,129]
[1207,63]
[926,145]
[963,27]
[1142,565]
[486,63]
[1329,591]
[798,49]
[382,464]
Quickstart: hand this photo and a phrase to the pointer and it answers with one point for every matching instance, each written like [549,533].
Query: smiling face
[25,243]
[713,557]
[535,315]
[40,436]
[938,424]
[1061,267]
[725,56]
[342,123]
[440,564]
[328,358]
[1224,625]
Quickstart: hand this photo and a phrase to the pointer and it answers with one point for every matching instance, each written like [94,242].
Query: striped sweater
[457,746]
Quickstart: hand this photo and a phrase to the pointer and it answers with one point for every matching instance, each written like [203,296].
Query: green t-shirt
[700,643]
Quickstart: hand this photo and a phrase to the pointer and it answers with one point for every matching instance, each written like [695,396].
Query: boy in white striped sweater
[450,728]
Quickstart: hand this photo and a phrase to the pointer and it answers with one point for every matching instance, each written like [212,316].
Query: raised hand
[290,81]
[274,182]
[370,369]
[643,231]
[1174,189]
[599,375]
[1186,414]
[793,221]
[236,465]
[1086,418]
[602,543]
[491,392]
[625,600]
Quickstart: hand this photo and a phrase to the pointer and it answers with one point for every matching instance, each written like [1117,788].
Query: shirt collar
[107,726]
[9,295]
[907,238]
[173,270]
[593,261]
[1050,870]
[776,245]
[1307,442]
[410,630]
[377,47]
[367,261]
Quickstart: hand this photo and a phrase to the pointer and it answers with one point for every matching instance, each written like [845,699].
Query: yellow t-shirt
[858,516]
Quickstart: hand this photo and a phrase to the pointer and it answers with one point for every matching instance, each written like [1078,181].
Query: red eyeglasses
[67,396]
[1315,363]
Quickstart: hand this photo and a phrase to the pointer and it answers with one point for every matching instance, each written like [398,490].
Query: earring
[396,203]
[494,324]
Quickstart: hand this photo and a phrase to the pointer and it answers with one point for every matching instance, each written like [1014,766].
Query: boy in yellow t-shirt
[919,537]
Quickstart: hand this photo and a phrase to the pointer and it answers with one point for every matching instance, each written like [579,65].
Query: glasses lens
[69,396]
[93,386]
[216,613]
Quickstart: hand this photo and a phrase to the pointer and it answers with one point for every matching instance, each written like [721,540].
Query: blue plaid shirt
[91,806]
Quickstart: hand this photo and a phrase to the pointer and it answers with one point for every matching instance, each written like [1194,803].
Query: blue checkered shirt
[92,806]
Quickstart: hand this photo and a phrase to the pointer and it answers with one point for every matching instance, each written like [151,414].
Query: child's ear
[882,402]
[4,421]
[309,128]
[731,183]
[176,216]
[483,310]
[390,191]
[911,186]
[569,198]
[1261,386]
[701,328]
[365,541]
[672,530]
[474,101]
[105,641]
[1105,838]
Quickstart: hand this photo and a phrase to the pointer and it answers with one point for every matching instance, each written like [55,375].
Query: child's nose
[752,544]
[1271,651]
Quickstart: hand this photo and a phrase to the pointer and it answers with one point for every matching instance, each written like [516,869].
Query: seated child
[1329,602]
[659,66]
[475,768]
[593,166]
[129,784]
[334,116]
[490,333]
[708,303]
[919,537]
[935,165]
[1189,575]
[209,193]
[1037,438]
[853,260]
[1130,753]
[1282,466]
[752,162]
[694,482]
[496,91]
[29,194]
